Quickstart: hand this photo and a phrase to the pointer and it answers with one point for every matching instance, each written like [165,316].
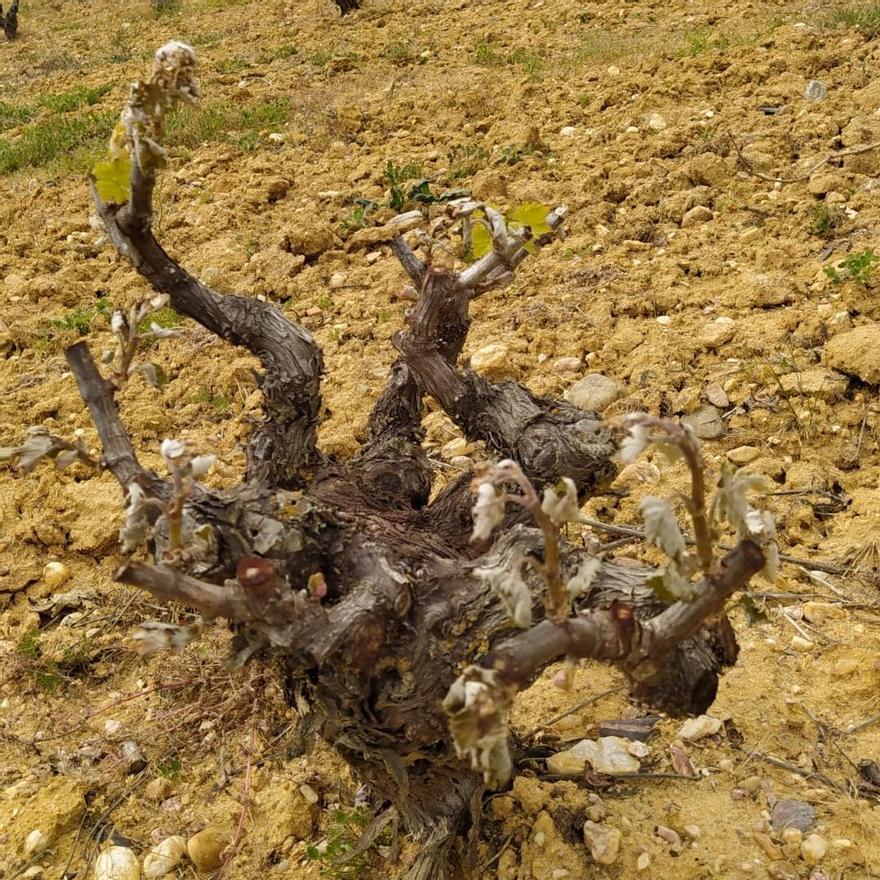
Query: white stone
[813,848]
[603,842]
[337,280]
[608,755]
[36,843]
[699,727]
[55,574]
[308,793]
[594,392]
[638,749]
[568,131]
[656,122]
[721,330]
[117,863]
[164,857]
[743,454]
[492,361]
[566,365]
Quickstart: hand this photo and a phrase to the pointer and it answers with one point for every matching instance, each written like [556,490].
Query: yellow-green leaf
[531,214]
[481,241]
[113,179]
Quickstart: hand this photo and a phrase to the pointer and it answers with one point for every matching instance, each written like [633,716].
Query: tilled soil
[715,257]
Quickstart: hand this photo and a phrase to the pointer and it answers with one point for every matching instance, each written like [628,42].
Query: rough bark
[366,593]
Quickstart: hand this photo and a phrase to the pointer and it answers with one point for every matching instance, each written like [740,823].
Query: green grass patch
[11,116]
[487,55]
[864,17]
[224,122]
[14,115]
[82,319]
[218,402]
[71,142]
[81,96]
[701,41]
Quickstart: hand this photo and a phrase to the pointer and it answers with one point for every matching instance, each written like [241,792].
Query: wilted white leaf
[669,585]
[153,373]
[152,637]
[731,502]
[661,527]
[512,590]
[118,324]
[583,579]
[7,452]
[136,528]
[36,447]
[634,444]
[201,464]
[771,565]
[562,508]
[159,301]
[488,511]
[478,707]
[66,458]
[172,449]
[162,332]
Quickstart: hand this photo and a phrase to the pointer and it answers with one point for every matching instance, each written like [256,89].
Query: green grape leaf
[532,214]
[113,179]
[481,241]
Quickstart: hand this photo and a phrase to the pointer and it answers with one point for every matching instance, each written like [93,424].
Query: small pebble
[55,574]
[492,361]
[158,789]
[603,842]
[694,832]
[594,392]
[164,857]
[716,333]
[799,643]
[308,793]
[813,849]
[699,727]
[117,863]
[751,784]
[697,215]
[643,862]
[672,837]
[656,122]
[787,813]
[768,847]
[568,131]
[706,423]
[815,90]
[337,280]
[717,396]
[206,848]
[36,843]
[743,455]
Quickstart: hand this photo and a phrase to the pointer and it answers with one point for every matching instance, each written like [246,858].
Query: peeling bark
[370,654]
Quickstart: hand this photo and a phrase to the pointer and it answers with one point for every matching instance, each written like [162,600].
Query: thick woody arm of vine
[284,445]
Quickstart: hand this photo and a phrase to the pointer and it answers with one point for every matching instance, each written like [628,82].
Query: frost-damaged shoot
[479,702]
[405,619]
[729,508]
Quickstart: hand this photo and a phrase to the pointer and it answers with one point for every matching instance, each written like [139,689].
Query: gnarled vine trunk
[370,658]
